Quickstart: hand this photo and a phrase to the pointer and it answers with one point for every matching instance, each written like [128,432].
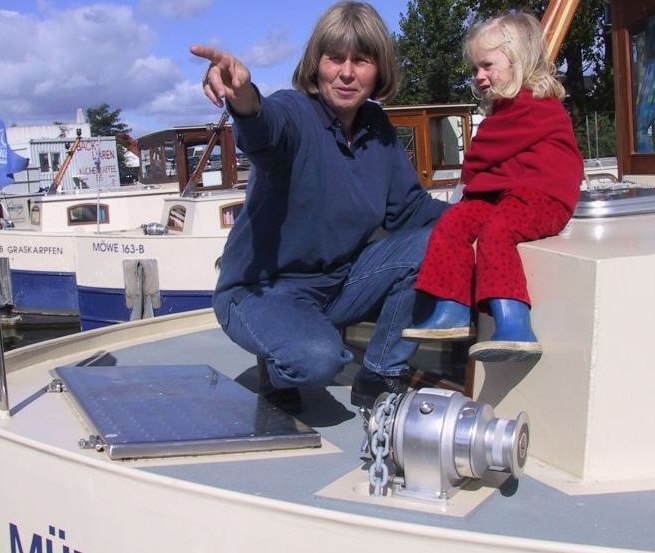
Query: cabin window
[145,164]
[229,214]
[171,162]
[55,161]
[407,137]
[157,168]
[44,163]
[35,215]
[87,213]
[447,142]
[176,216]
[643,71]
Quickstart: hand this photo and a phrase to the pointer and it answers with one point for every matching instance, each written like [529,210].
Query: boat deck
[332,477]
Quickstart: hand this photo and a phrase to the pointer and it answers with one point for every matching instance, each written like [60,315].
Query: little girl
[522,178]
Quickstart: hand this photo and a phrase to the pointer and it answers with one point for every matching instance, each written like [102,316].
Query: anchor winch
[428,442]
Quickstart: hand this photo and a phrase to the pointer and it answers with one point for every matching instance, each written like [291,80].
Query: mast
[556,23]
[64,166]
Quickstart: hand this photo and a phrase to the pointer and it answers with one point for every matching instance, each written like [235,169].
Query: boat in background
[178,267]
[130,274]
[38,264]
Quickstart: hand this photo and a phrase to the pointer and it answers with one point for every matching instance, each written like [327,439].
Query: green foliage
[106,122]
[429,45]
[596,134]
[430,49]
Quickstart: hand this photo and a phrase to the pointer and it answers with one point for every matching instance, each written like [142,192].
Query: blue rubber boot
[450,320]
[513,338]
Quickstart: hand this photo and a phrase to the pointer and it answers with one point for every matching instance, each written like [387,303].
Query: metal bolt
[426,408]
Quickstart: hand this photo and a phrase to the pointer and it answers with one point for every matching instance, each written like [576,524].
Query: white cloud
[61,59]
[175,8]
[185,104]
[276,47]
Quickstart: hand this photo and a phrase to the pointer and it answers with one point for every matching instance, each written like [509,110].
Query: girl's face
[491,68]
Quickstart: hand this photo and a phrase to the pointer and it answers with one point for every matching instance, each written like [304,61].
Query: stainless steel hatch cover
[615,201]
[166,410]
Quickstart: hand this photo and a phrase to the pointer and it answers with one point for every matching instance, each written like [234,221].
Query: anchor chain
[378,472]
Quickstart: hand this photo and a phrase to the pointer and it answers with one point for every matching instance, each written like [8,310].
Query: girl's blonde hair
[350,27]
[520,37]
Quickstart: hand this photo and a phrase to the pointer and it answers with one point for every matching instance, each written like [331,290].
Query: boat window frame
[182,210]
[422,120]
[44,162]
[223,211]
[99,208]
[628,19]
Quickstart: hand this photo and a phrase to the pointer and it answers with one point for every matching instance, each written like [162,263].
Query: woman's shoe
[513,338]
[285,399]
[450,320]
[367,387]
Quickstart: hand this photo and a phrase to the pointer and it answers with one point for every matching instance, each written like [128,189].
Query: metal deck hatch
[615,201]
[169,410]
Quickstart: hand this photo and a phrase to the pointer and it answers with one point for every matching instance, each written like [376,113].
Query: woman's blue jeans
[296,327]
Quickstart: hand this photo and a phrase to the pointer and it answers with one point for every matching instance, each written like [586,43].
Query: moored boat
[40,267]
[82,414]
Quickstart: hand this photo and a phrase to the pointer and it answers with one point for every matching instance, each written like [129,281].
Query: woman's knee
[408,246]
[311,363]
[419,242]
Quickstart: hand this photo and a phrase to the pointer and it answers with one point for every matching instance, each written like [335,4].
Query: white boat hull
[41,254]
[57,497]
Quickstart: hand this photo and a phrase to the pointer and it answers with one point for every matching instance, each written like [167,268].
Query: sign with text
[95,163]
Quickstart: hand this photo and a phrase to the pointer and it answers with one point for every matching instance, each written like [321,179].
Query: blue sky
[58,55]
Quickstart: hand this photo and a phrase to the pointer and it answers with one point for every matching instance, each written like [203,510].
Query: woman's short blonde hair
[350,27]
[520,37]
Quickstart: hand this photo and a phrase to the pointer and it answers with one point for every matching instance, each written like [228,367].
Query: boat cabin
[177,155]
[633,35]
[436,137]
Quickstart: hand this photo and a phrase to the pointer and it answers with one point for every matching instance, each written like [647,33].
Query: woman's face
[346,81]
[491,68]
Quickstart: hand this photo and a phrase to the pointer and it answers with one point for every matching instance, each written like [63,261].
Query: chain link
[378,472]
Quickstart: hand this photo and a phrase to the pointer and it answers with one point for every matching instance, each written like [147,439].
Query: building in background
[20,137]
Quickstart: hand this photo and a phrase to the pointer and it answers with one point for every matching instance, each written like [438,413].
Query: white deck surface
[528,509]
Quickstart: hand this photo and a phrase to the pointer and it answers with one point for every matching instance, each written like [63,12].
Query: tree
[430,50]
[429,46]
[585,61]
[106,122]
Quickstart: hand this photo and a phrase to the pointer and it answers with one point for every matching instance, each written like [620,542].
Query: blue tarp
[10,161]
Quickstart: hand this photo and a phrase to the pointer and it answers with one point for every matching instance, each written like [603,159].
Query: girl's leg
[447,273]
[448,269]
[501,282]
[521,215]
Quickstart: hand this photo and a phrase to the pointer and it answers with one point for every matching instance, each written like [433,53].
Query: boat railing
[114,188]
[4,394]
[202,163]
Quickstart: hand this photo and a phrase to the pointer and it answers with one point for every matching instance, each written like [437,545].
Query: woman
[327,172]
